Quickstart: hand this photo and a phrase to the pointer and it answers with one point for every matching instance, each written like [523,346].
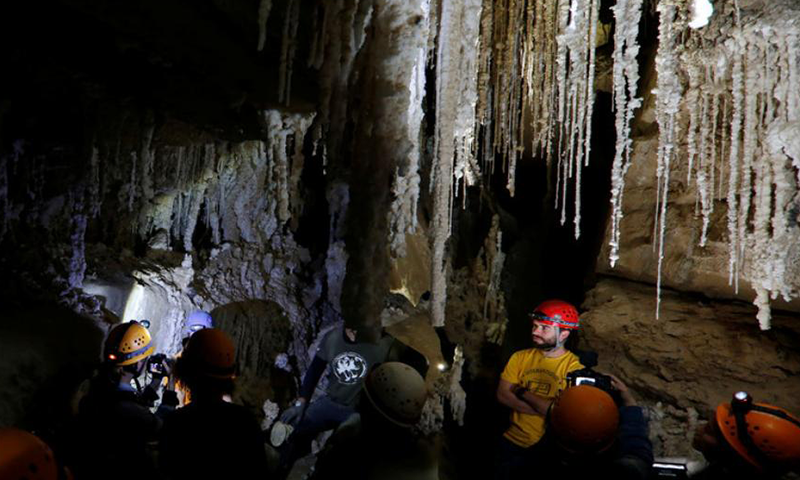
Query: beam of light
[134,307]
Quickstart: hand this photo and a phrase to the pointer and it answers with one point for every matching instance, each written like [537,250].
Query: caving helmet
[766,436]
[127,343]
[584,420]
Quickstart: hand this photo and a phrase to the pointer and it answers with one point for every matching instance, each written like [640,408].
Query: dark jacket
[212,440]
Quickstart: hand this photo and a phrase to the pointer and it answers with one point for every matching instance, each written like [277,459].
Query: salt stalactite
[457,54]
[626,76]
[341,38]
[77,262]
[130,188]
[706,170]
[405,188]
[146,158]
[578,39]
[93,184]
[338,197]
[737,89]
[288,48]
[495,259]
[283,130]
[4,210]
[667,110]
[263,16]
[550,45]
[756,60]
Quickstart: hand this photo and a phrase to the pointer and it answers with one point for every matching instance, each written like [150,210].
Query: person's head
[396,392]
[196,321]
[744,434]
[207,364]
[350,333]
[25,456]
[127,347]
[584,421]
[553,322]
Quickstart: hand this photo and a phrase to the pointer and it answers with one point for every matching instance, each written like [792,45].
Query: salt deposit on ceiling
[741,133]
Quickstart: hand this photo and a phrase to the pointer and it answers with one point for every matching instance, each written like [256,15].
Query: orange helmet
[584,419]
[127,343]
[23,455]
[557,313]
[766,436]
[210,352]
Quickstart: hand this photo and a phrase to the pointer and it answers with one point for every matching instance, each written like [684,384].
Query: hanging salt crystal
[626,77]
[667,110]
[263,15]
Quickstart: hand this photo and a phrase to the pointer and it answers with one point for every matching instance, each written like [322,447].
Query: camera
[587,376]
[155,364]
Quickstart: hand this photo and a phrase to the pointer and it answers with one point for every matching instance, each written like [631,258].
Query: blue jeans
[321,415]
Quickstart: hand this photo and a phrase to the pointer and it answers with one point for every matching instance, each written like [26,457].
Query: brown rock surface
[692,358]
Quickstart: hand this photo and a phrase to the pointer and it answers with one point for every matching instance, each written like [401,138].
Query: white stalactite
[756,60]
[456,97]
[406,184]
[626,77]
[288,48]
[667,110]
[263,16]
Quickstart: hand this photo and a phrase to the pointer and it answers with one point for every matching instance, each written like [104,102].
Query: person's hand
[294,414]
[624,393]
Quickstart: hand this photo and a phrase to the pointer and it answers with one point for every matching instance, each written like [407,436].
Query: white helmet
[397,391]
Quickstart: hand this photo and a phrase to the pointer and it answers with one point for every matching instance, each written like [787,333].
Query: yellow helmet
[127,343]
[23,455]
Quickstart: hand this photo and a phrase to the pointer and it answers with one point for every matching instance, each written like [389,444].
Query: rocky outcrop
[695,356]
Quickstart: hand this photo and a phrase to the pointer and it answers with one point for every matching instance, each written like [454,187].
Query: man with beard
[529,383]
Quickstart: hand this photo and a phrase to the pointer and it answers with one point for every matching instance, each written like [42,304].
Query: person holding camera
[210,437]
[597,429]
[116,424]
[530,381]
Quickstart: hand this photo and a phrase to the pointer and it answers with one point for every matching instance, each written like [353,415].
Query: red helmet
[557,313]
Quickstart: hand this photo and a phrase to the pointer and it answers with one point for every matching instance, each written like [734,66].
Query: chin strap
[740,408]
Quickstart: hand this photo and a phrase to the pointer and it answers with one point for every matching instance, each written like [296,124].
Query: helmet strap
[559,343]
[138,385]
[744,436]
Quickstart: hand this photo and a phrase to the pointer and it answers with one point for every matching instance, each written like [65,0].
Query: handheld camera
[155,364]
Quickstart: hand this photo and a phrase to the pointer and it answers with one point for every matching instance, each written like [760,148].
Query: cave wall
[287,203]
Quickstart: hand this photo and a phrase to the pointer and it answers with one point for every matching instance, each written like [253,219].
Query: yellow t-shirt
[541,375]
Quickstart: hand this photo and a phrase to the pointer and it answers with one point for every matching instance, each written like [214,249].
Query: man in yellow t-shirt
[531,380]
